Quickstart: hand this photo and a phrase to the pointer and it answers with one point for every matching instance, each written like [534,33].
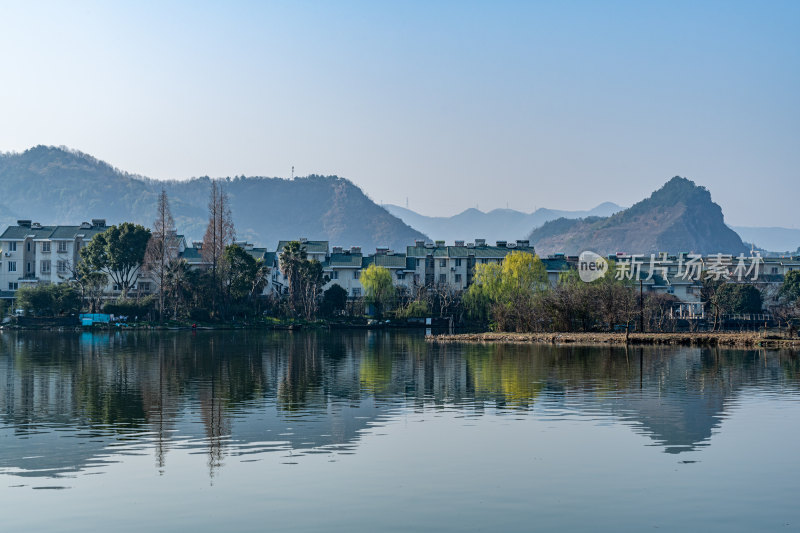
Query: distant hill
[679,217]
[771,238]
[498,224]
[60,186]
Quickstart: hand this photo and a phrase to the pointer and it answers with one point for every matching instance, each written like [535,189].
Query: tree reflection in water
[255,391]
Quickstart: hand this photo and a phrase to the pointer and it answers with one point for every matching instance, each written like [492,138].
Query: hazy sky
[562,104]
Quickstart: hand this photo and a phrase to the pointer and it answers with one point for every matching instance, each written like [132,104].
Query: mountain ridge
[678,217]
[56,185]
[497,224]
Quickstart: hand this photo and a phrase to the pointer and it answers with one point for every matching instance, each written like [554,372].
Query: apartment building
[438,264]
[31,253]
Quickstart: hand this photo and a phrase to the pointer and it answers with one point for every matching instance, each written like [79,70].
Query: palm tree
[291,259]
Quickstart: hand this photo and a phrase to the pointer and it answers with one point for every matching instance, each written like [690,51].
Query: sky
[444,105]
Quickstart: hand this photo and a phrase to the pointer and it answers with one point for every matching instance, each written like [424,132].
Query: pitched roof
[16,233]
[344,260]
[192,255]
[385,260]
[558,264]
[70,232]
[463,251]
[312,247]
[257,253]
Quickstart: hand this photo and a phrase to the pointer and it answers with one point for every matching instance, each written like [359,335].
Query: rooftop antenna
[292,171]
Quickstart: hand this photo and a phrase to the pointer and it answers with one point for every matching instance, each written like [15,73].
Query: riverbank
[743,340]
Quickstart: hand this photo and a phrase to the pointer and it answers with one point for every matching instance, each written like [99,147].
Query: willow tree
[162,249]
[378,287]
[506,292]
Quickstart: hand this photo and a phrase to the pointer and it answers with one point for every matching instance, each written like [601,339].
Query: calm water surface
[367,431]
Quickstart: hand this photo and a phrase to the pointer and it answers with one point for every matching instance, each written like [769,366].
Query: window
[442,278]
[62,267]
[46,247]
[355,274]
[13,286]
[116,287]
[335,274]
[62,247]
[29,266]
[144,286]
[12,266]
[774,270]
[443,263]
[356,292]
[419,262]
[458,278]
[45,268]
[400,275]
[12,246]
[29,246]
[458,262]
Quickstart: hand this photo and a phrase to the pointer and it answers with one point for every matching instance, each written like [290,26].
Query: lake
[382,431]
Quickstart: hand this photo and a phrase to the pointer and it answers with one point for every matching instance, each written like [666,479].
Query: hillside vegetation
[679,217]
[60,186]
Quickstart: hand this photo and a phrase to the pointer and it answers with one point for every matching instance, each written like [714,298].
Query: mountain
[60,186]
[499,224]
[679,217]
[770,238]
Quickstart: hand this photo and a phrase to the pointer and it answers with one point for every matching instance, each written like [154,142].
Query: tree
[739,298]
[508,292]
[311,282]
[119,253]
[378,287]
[291,258]
[162,248]
[219,234]
[49,300]
[333,299]
[246,274]
[790,289]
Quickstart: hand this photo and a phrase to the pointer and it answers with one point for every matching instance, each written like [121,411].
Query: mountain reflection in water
[71,402]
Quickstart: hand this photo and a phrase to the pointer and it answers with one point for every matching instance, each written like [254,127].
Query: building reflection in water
[239,393]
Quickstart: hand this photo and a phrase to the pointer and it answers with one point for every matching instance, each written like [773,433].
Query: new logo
[591,266]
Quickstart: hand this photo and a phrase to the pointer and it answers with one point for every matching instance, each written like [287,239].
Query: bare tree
[162,249]
[219,233]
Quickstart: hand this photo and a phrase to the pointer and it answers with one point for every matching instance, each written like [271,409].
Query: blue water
[368,431]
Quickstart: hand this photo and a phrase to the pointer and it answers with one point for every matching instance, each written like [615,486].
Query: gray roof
[51,232]
[344,260]
[557,264]
[18,233]
[463,251]
[257,253]
[70,232]
[192,255]
[311,247]
[385,260]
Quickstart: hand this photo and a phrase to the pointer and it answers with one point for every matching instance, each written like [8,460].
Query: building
[31,253]
[454,266]
[315,250]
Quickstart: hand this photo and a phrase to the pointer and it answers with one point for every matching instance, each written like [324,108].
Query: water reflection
[74,402]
